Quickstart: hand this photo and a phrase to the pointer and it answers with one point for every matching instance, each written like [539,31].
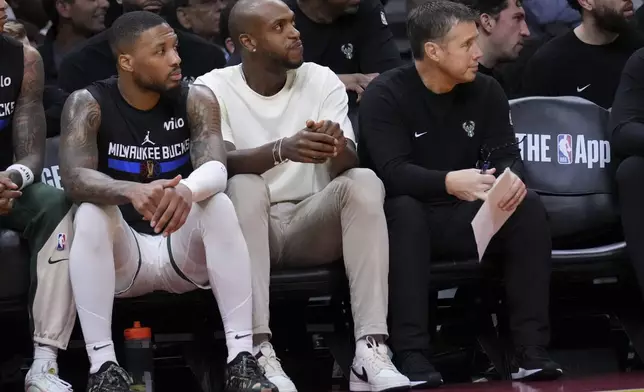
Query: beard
[611,20]
[172,93]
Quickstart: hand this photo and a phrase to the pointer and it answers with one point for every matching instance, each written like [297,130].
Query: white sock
[228,271]
[91,268]
[99,353]
[44,358]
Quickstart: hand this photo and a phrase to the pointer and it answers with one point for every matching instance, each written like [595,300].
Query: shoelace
[54,379]
[250,367]
[272,360]
[379,359]
[113,376]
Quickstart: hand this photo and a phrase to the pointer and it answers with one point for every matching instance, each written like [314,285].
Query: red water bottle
[139,357]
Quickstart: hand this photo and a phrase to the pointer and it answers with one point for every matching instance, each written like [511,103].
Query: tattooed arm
[81,119]
[29,126]
[204,119]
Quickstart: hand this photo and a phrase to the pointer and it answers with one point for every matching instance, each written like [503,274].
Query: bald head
[244,16]
[265,30]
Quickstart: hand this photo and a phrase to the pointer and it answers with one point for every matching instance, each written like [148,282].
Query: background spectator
[587,61]
[73,21]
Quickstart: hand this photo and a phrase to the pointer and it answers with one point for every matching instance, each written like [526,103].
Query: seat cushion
[14,266]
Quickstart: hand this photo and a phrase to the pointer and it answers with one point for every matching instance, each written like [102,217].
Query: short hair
[433,20]
[127,28]
[574,4]
[490,7]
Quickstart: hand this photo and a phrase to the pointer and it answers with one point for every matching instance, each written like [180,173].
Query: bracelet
[275,161]
[279,150]
[25,173]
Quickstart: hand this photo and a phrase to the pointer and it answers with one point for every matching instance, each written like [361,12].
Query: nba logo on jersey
[564,149]
[62,240]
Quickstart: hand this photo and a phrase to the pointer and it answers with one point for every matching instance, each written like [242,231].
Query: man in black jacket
[423,127]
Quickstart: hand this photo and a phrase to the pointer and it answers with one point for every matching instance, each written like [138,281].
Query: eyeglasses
[484,163]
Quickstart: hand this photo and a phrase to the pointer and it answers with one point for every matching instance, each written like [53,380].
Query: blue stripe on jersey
[135,167]
[4,122]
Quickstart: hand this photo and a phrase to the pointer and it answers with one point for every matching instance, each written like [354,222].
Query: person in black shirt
[351,37]
[502,35]
[627,125]
[423,127]
[587,61]
[200,17]
[40,213]
[94,60]
[143,156]
[72,23]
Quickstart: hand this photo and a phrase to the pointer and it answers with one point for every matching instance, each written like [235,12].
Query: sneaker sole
[537,375]
[363,387]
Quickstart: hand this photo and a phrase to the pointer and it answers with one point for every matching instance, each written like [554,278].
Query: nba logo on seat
[62,240]
[564,149]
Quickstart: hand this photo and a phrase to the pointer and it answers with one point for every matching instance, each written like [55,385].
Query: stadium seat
[567,158]
[566,153]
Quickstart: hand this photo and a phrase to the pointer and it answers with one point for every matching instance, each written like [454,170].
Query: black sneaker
[532,363]
[244,374]
[416,366]
[110,378]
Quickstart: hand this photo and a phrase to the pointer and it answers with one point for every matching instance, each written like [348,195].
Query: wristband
[207,180]
[25,172]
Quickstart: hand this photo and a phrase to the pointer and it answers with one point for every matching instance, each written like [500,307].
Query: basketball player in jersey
[40,213]
[143,155]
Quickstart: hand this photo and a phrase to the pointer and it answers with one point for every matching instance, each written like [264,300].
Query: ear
[487,23]
[587,5]
[248,42]
[182,17]
[124,62]
[63,8]
[433,51]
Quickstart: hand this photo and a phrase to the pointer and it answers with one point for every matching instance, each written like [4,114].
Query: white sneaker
[268,360]
[372,369]
[46,379]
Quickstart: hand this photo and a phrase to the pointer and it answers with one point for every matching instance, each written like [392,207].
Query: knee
[405,208]
[218,207]
[532,207]
[630,172]
[249,194]
[92,218]
[361,186]
[47,198]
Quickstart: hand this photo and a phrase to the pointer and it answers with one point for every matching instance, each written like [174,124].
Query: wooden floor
[612,382]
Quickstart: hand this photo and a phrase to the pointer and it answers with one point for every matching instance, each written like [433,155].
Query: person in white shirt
[299,196]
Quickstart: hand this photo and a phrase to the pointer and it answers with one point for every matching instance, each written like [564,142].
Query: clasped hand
[8,193]
[470,185]
[165,204]
[316,143]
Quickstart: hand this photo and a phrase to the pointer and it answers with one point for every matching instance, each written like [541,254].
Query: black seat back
[50,174]
[567,156]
